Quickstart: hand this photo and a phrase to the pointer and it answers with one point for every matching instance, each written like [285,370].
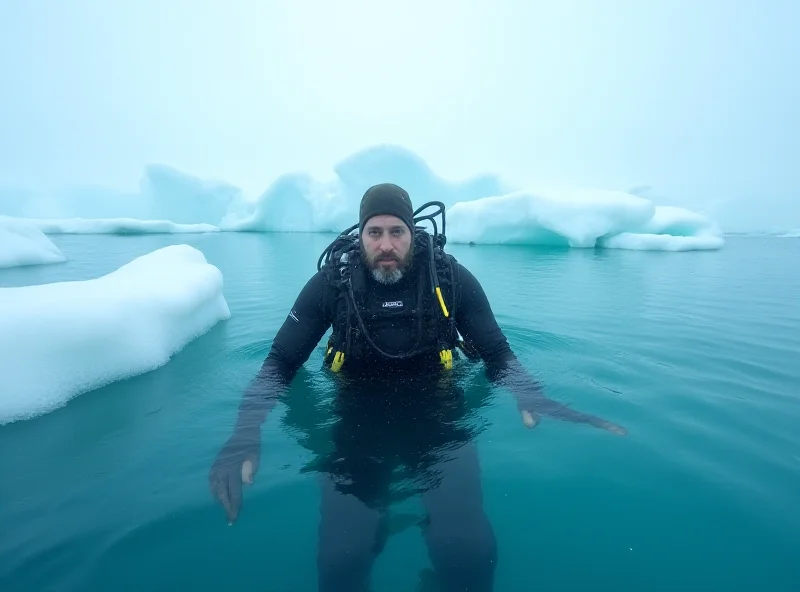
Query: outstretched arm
[477,324]
[238,460]
[300,333]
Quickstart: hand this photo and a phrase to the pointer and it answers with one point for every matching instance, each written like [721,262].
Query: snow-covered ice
[575,218]
[116,226]
[164,193]
[23,243]
[670,229]
[62,339]
[580,218]
[297,202]
[480,209]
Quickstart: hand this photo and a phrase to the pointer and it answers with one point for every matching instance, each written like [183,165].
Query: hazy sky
[699,98]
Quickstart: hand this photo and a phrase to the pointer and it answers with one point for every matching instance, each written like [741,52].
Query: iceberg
[556,216]
[174,195]
[116,226]
[164,193]
[293,203]
[670,229]
[22,243]
[634,241]
[480,209]
[296,202]
[581,218]
[770,233]
[63,339]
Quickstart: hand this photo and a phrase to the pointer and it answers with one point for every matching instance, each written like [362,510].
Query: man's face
[386,242]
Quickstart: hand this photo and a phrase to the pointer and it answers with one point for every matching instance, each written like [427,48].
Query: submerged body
[412,437]
[398,416]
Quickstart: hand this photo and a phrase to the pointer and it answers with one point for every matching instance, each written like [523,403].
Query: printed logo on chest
[393,304]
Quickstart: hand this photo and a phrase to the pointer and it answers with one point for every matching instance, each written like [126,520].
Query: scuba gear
[434,319]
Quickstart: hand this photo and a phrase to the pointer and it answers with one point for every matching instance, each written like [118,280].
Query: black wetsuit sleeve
[300,333]
[476,322]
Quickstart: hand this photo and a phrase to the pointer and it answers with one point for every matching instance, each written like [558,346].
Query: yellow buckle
[338,360]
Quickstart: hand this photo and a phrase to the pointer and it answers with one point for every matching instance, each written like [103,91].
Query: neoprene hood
[386,198]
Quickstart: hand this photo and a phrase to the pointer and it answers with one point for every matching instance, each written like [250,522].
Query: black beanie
[386,198]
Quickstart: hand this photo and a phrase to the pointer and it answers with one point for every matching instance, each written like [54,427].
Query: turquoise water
[695,353]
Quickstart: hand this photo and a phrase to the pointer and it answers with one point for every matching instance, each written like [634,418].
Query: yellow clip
[441,301]
[446,358]
[338,360]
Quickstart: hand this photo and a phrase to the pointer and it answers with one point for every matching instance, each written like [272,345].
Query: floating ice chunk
[184,198]
[296,202]
[662,242]
[117,226]
[62,339]
[680,222]
[22,243]
[164,193]
[670,229]
[568,217]
[482,208]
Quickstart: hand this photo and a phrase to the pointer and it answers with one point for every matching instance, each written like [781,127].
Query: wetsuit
[390,416]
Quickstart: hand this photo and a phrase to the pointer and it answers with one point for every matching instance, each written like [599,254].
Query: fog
[697,101]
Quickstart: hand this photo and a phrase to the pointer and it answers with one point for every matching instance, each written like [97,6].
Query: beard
[387,276]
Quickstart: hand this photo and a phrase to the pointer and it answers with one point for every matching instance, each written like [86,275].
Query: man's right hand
[235,464]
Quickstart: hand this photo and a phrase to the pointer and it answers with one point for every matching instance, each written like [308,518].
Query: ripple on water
[257,349]
[525,340]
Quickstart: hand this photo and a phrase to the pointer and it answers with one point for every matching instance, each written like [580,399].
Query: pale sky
[700,99]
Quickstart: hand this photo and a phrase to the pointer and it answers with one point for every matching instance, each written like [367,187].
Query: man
[397,304]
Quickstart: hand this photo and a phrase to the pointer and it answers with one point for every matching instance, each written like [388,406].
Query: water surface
[695,353]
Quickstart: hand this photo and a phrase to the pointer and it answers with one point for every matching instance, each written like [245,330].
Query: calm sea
[696,354]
